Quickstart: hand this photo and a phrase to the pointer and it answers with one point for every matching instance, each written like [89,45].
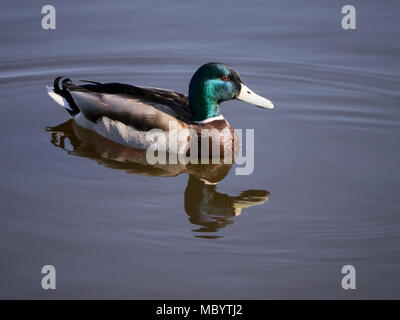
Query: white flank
[115,131]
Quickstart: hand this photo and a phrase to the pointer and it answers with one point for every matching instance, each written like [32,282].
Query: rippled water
[324,192]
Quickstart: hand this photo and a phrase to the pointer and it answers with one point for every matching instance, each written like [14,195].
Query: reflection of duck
[205,206]
[212,210]
[125,113]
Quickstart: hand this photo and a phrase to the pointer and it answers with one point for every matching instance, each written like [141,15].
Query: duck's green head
[214,83]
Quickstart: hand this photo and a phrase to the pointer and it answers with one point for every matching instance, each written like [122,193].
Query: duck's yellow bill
[249,96]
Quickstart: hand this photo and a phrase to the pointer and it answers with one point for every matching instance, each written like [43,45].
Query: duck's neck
[203,107]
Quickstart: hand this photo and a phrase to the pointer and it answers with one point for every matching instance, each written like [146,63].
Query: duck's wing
[140,107]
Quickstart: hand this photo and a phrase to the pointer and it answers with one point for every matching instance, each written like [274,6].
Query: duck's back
[173,103]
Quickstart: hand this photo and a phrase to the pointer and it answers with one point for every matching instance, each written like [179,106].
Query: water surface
[324,192]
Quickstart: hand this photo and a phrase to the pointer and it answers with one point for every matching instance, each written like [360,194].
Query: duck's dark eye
[224,78]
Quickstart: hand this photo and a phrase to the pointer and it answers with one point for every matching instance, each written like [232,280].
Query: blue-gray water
[328,154]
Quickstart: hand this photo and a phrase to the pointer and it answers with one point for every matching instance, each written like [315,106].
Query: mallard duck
[125,113]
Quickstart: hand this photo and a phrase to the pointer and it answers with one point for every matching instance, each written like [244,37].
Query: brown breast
[219,132]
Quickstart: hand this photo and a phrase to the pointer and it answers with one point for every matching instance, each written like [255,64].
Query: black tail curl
[74,110]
